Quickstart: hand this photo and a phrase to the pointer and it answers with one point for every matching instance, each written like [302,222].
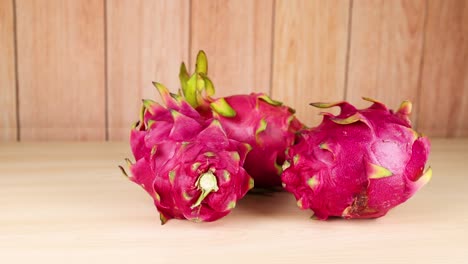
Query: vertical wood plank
[237,37]
[8,121]
[147,41]
[385,51]
[61,69]
[310,47]
[444,83]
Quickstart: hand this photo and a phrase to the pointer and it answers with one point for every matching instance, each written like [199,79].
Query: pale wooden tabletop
[68,203]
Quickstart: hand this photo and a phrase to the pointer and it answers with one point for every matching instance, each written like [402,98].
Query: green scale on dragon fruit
[268,126]
[358,164]
[186,162]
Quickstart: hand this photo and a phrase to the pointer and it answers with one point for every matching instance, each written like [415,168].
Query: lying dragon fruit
[358,164]
[265,124]
[186,162]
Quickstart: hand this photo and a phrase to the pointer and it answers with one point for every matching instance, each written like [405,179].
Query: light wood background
[77,69]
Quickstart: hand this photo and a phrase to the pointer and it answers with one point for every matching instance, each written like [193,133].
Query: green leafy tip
[202,63]
[150,123]
[171,177]
[129,162]
[136,125]
[186,196]
[405,108]
[227,176]
[153,150]
[209,154]
[157,197]
[163,92]
[348,120]
[261,127]
[183,73]
[124,172]
[377,172]
[147,103]
[235,156]
[251,183]
[372,100]
[286,165]
[140,123]
[279,168]
[231,205]
[247,147]
[188,85]
[270,101]
[162,218]
[216,123]
[312,182]
[296,159]
[222,107]
[207,85]
[324,145]
[299,203]
[197,85]
[175,114]
[195,166]
[324,105]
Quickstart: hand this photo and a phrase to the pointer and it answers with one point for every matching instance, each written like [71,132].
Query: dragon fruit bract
[265,124]
[186,162]
[358,164]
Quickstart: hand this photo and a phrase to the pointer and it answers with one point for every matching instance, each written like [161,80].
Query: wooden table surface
[69,203]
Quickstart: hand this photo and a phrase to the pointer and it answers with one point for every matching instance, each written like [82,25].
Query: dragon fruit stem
[206,183]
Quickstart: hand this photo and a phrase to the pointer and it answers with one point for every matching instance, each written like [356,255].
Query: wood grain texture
[386,51]
[310,54]
[147,41]
[444,83]
[236,35]
[8,118]
[61,69]
[74,206]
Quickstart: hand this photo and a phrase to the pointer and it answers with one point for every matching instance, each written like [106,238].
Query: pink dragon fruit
[186,162]
[358,164]
[265,124]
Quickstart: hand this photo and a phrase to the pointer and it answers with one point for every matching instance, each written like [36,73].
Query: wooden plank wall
[146,41]
[77,69]
[237,38]
[8,114]
[61,73]
[386,51]
[444,76]
[310,48]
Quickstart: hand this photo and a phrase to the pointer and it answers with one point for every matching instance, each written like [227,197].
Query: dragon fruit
[186,162]
[265,124]
[358,164]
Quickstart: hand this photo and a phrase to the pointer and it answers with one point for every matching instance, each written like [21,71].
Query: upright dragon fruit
[265,124]
[358,164]
[186,162]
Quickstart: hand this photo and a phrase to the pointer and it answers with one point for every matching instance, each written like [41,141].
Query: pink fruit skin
[173,147]
[362,162]
[264,162]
